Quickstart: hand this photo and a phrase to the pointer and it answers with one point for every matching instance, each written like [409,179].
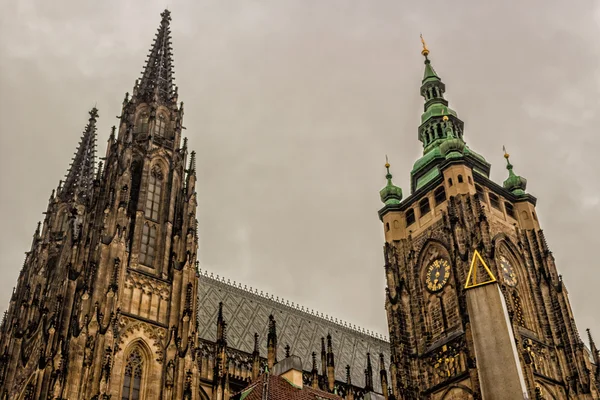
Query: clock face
[508,272]
[438,273]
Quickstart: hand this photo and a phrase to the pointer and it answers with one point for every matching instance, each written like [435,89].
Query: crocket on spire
[156,83]
[80,177]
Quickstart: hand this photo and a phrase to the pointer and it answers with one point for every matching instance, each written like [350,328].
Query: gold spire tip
[506,155]
[387,163]
[425,51]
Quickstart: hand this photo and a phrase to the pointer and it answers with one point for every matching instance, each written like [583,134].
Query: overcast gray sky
[292,105]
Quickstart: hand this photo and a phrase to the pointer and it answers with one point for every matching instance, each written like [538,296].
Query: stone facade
[431,238]
[110,303]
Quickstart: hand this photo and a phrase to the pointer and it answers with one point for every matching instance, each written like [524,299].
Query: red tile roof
[279,388]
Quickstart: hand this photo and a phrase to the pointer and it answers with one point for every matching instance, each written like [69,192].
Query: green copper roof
[437,110]
[429,74]
[514,183]
[390,194]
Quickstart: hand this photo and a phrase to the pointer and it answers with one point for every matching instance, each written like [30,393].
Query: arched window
[424,206]
[154,193]
[450,182]
[148,248]
[141,126]
[161,126]
[132,381]
[469,179]
[460,179]
[410,217]
[387,226]
[440,195]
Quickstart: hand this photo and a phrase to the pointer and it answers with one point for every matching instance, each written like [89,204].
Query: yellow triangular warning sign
[479,276]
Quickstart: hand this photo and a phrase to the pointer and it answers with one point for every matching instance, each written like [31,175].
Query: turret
[514,183]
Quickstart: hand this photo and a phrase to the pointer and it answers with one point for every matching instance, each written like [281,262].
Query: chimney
[290,368]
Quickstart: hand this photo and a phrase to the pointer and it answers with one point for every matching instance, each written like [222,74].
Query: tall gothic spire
[432,131]
[80,177]
[156,83]
[441,131]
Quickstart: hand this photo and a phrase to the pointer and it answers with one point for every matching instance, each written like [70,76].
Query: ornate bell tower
[474,301]
[105,306]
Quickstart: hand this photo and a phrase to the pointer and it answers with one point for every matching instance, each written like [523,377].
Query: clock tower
[474,302]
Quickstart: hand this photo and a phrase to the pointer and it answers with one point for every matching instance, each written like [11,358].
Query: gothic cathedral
[474,302]
[110,302]
[106,299]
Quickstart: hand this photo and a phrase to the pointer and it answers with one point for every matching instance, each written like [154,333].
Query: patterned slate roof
[247,312]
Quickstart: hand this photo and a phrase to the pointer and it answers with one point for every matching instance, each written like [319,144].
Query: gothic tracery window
[153,195]
[141,125]
[148,247]
[161,126]
[133,376]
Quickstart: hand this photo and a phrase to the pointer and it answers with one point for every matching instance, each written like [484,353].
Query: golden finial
[506,155]
[387,164]
[425,50]
[445,117]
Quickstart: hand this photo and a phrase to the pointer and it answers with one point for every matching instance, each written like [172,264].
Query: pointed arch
[457,392]
[136,365]
[440,308]
[519,293]
[202,394]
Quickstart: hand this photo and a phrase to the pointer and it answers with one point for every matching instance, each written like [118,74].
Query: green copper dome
[514,183]
[390,194]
